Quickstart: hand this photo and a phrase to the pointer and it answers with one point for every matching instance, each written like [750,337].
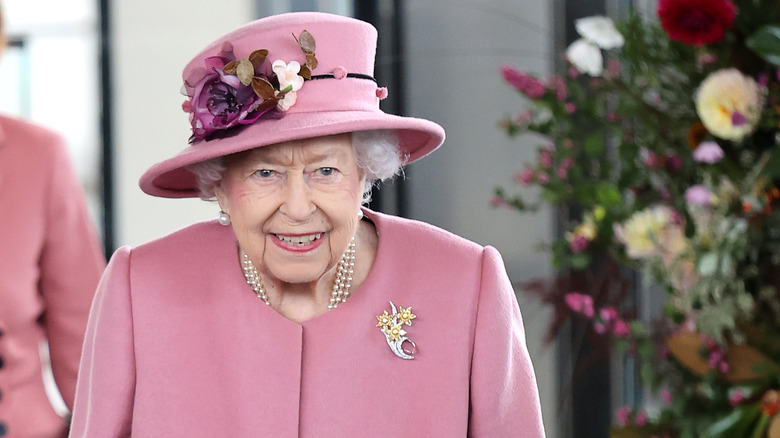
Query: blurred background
[107,75]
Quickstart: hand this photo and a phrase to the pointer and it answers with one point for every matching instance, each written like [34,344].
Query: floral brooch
[392,327]
[239,91]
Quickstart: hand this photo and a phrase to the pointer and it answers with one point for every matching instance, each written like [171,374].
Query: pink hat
[260,98]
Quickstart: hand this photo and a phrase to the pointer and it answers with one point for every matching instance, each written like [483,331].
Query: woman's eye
[326,171]
[264,173]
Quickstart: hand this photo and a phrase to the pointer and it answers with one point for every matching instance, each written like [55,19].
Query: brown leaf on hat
[306,41]
[305,72]
[258,58]
[245,71]
[264,89]
[230,68]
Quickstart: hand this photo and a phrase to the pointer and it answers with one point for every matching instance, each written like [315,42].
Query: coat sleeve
[71,262]
[106,384]
[504,395]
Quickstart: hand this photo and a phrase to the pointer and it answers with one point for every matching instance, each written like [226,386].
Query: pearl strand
[341,285]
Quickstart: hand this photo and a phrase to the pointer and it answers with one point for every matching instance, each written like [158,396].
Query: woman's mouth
[301,240]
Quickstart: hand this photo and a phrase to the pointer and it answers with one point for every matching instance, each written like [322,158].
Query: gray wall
[454,50]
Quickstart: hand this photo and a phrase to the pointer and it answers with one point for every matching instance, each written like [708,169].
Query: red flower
[696,21]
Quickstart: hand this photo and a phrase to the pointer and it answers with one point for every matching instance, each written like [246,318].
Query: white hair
[377,152]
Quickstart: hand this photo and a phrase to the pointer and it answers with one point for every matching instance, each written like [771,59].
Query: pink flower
[698,195]
[600,328]
[736,396]
[608,314]
[641,419]
[614,68]
[666,396]
[497,201]
[525,176]
[557,85]
[567,143]
[570,107]
[545,159]
[563,168]
[621,329]
[673,162]
[623,414]
[525,116]
[708,152]
[579,244]
[542,178]
[653,160]
[706,58]
[523,82]
[573,72]
[535,89]
[580,303]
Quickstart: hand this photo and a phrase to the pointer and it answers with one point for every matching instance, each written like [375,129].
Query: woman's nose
[297,203]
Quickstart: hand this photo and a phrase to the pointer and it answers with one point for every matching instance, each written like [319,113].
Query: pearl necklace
[341,285]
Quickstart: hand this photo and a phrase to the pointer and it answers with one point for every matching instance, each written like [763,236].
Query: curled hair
[377,152]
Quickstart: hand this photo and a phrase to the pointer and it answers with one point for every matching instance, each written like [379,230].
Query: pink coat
[179,346]
[50,264]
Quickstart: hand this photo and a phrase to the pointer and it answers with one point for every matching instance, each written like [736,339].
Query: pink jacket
[179,346]
[50,263]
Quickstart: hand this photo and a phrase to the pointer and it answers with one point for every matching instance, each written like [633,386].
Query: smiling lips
[299,242]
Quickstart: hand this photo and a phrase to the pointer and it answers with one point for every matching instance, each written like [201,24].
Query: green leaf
[772,167]
[737,423]
[594,145]
[766,42]
[580,261]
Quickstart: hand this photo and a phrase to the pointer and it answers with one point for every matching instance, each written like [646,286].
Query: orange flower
[770,403]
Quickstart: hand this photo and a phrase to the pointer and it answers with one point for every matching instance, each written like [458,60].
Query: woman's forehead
[306,150]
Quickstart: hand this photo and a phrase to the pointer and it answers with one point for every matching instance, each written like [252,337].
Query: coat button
[2,362]
[3,428]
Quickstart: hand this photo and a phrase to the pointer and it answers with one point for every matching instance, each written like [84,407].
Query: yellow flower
[729,103]
[384,320]
[394,331]
[643,231]
[406,315]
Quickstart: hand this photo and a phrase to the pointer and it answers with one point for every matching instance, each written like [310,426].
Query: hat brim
[172,179]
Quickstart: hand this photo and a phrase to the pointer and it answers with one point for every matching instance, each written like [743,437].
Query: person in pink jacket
[50,264]
[298,312]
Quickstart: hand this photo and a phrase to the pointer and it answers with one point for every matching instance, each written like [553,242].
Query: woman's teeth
[299,240]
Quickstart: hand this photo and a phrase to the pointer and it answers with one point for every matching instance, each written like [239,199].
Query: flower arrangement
[662,143]
[233,92]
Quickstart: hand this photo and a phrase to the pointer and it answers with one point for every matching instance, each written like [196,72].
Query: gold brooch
[392,327]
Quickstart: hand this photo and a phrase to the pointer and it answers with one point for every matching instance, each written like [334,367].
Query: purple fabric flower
[708,152]
[221,101]
[698,195]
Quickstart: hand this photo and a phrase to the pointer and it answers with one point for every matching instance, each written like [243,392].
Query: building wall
[454,51]
[152,41]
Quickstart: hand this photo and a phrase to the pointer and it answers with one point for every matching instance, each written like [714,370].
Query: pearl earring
[224,219]
[360,214]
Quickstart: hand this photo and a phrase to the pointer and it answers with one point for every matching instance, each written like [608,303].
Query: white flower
[729,103]
[586,57]
[287,101]
[600,30]
[643,233]
[288,74]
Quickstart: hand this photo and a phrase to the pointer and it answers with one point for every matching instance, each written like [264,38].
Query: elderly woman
[298,312]
[50,264]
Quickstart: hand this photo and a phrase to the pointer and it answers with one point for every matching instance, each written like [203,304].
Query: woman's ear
[222,200]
